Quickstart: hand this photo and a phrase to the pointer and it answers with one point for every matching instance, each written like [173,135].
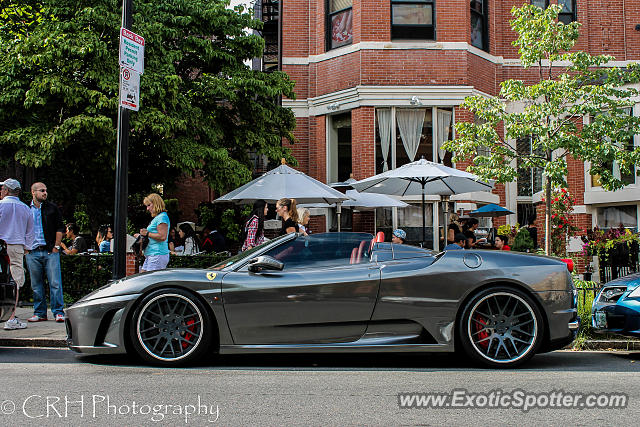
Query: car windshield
[234,259]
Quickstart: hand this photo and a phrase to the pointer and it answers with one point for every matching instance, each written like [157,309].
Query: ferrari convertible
[335,292]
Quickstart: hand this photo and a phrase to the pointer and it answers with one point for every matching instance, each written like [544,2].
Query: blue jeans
[40,263]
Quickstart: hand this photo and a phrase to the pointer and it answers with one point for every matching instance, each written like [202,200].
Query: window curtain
[444,125]
[384,128]
[410,123]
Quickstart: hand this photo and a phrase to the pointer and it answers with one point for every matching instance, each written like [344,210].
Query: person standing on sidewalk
[157,251]
[44,258]
[16,229]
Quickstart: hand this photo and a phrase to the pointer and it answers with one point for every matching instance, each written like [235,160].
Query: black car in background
[7,288]
[335,292]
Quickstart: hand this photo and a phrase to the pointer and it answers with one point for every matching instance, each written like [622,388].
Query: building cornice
[425,45]
[381,96]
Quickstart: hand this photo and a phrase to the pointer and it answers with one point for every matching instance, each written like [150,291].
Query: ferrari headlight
[612,294]
[634,293]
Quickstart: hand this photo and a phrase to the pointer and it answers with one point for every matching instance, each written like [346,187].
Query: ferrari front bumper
[98,326]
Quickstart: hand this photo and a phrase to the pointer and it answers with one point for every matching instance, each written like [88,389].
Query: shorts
[155,262]
[16,259]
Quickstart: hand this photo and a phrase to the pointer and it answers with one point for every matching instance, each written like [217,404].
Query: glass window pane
[616,216]
[335,5]
[412,14]
[477,31]
[425,147]
[341,29]
[477,5]
[540,3]
[567,6]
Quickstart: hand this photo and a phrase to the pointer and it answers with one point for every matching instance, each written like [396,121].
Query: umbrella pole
[424,223]
[445,210]
[339,212]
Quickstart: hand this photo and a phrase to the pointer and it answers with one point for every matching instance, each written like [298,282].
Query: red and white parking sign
[131,51]
[129,89]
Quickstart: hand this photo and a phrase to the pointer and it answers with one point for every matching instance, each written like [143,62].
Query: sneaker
[36,318]
[15,323]
[59,317]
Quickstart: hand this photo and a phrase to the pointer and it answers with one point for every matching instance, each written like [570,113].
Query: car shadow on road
[576,361]
[560,360]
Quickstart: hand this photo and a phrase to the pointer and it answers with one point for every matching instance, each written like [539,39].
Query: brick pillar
[318,224]
[364,222]
[131,266]
[363,142]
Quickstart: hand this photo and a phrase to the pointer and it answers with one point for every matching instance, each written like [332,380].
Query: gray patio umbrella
[284,181]
[422,177]
[363,201]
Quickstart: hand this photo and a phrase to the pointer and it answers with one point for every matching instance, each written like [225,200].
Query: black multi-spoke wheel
[170,327]
[501,327]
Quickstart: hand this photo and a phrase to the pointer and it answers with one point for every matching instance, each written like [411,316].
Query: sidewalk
[37,334]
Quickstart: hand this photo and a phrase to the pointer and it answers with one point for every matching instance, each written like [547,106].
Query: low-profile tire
[501,327]
[170,327]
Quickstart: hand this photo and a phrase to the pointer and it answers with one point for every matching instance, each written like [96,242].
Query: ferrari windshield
[234,259]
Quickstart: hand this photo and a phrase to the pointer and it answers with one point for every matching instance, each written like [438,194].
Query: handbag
[140,245]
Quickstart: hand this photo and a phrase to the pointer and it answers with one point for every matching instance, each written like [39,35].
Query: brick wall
[190,192]
[364,222]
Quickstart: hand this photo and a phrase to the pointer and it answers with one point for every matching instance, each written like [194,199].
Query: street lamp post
[122,169]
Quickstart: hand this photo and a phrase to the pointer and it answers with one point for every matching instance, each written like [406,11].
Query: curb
[627,345]
[33,342]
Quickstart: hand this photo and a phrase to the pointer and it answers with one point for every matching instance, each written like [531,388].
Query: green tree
[569,85]
[202,108]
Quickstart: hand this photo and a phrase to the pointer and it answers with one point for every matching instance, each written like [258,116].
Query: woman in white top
[304,215]
[191,246]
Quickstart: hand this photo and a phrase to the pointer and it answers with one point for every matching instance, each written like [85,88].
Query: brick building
[368,71]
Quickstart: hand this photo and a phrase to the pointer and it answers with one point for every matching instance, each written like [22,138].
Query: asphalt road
[309,390]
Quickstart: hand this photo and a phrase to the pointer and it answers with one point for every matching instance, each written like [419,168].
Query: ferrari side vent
[426,338]
[104,327]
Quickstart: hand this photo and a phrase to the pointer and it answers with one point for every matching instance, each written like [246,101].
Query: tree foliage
[570,85]
[202,109]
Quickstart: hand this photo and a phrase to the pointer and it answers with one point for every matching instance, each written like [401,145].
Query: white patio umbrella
[422,177]
[284,181]
[363,201]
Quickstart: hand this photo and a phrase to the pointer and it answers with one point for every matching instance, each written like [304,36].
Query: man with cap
[44,259]
[16,229]
[459,242]
[398,236]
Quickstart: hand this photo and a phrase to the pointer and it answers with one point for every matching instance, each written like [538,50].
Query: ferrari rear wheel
[501,327]
[170,327]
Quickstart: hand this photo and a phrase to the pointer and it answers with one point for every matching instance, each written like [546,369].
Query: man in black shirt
[213,241]
[79,244]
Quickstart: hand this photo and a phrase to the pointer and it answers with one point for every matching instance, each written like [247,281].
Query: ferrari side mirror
[264,262]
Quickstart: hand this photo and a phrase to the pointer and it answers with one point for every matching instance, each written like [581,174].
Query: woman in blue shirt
[103,239]
[157,251]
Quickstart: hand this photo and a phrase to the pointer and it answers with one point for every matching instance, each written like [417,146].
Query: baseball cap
[400,233]
[11,184]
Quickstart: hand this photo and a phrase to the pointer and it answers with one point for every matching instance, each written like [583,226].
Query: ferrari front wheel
[170,327]
[501,327]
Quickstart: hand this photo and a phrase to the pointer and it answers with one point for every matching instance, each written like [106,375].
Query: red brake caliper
[191,327]
[482,334]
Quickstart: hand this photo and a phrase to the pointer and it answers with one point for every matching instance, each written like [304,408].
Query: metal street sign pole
[122,169]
